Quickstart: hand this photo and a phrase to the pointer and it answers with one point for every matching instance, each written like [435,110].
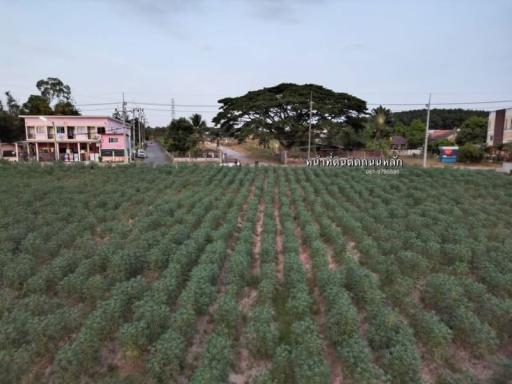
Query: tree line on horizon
[280,113]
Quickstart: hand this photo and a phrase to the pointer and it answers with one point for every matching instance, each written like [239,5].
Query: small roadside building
[398,142]
[76,138]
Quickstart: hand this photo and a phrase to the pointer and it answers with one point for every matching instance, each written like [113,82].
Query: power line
[176,105]
[173,105]
[96,104]
[445,103]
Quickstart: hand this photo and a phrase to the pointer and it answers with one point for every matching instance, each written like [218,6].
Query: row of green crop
[148,228]
[428,327]
[341,319]
[473,331]
[388,335]
[153,312]
[261,331]
[45,324]
[218,354]
[444,226]
[102,328]
[167,355]
[55,229]
[299,356]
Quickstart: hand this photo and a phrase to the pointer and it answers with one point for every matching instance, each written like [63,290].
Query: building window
[91,133]
[101,130]
[112,139]
[60,130]
[41,129]
[112,152]
[81,130]
[51,132]
[31,133]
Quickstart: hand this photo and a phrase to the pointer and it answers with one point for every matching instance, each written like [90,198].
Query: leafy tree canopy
[37,105]
[473,130]
[415,134]
[439,118]
[53,92]
[65,108]
[54,89]
[282,113]
[11,126]
[181,136]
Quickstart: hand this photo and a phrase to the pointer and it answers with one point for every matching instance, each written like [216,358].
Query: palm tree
[381,119]
[199,125]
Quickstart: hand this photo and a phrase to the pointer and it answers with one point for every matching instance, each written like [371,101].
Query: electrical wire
[369,104]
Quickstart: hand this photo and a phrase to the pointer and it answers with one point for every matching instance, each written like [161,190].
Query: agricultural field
[209,274]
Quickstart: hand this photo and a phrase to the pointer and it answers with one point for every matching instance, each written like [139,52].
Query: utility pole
[310,122]
[425,146]
[139,110]
[129,154]
[132,130]
[173,110]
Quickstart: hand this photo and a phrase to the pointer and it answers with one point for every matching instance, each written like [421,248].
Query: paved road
[155,154]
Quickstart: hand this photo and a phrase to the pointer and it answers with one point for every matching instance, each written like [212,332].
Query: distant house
[442,134]
[398,142]
[76,138]
[499,128]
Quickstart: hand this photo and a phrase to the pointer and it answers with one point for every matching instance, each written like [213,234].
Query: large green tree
[36,105]
[473,131]
[53,92]
[282,113]
[415,134]
[53,88]
[11,126]
[54,99]
[181,136]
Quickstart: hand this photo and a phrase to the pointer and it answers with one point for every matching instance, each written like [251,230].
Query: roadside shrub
[470,153]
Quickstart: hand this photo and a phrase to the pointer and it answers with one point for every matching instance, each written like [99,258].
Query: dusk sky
[200,51]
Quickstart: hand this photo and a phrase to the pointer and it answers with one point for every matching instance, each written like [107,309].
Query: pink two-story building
[77,138]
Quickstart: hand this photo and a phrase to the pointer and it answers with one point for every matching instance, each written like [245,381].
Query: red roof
[437,134]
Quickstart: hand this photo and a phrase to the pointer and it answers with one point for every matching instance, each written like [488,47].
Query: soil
[352,250]
[481,369]
[279,241]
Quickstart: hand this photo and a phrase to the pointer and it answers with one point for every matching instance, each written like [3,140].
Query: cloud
[279,10]
[153,11]
[156,10]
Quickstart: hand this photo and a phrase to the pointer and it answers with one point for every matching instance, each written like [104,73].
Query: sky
[199,51]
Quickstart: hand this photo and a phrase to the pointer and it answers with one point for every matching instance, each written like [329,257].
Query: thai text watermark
[335,161]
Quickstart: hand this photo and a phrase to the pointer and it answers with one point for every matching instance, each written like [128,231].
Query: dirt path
[247,367]
[279,238]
